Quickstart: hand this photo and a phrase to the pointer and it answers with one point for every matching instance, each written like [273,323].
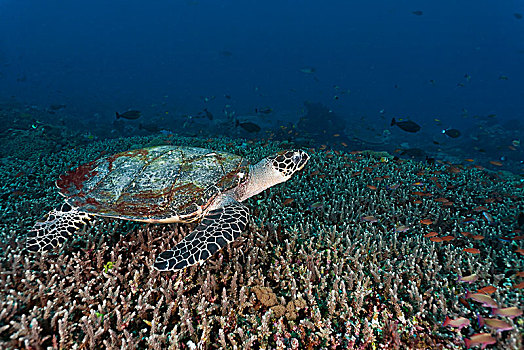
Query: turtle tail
[393,121]
[117,115]
[58,225]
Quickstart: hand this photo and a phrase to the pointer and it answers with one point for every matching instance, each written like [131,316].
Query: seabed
[357,251]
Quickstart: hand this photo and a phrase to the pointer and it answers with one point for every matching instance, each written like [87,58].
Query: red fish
[487,290]
[518,285]
[484,299]
[495,323]
[481,208]
[459,323]
[483,339]
[431,234]
[288,201]
[472,250]
[510,312]
[468,279]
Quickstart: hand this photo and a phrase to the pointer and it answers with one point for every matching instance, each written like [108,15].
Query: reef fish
[484,299]
[431,234]
[316,205]
[407,125]
[129,115]
[520,219]
[248,126]
[369,218]
[209,115]
[459,323]
[471,250]
[483,339]
[149,127]
[401,228]
[57,107]
[487,290]
[495,323]
[264,110]
[453,133]
[468,279]
[308,70]
[510,312]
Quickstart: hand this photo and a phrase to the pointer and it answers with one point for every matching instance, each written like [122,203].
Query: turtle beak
[300,159]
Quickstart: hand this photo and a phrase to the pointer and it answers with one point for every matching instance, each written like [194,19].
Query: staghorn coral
[303,276]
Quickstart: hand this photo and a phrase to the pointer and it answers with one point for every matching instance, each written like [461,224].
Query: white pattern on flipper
[218,228]
[59,224]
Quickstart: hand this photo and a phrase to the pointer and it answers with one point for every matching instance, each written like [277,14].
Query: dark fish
[453,133]
[520,220]
[265,110]
[517,15]
[57,107]
[307,70]
[417,13]
[316,205]
[407,125]
[226,53]
[149,127]
[208,114]
[414,153]
[248,126]
[129,115]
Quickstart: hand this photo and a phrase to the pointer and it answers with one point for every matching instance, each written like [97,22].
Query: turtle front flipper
[218,228]
[57,226]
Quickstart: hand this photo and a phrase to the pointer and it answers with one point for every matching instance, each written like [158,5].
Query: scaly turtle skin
[166,184]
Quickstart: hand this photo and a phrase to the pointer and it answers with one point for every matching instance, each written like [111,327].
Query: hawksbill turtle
[166,184]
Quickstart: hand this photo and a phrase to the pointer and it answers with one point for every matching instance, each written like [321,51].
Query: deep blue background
[158,56]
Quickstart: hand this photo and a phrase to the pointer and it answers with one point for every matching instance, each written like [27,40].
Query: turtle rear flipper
[218,228]
[59,224]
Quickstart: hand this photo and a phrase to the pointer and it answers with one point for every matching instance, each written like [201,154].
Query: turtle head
[271,171]
[288,162]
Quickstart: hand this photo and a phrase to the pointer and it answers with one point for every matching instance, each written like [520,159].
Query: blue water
[168,56]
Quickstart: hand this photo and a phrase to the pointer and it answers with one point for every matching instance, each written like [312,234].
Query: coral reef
[314,272]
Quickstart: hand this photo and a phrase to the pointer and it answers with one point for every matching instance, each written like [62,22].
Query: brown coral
[265,295]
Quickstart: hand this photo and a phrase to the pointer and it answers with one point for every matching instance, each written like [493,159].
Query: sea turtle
[165,184]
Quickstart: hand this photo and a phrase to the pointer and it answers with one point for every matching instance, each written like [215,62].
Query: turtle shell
[157,184]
